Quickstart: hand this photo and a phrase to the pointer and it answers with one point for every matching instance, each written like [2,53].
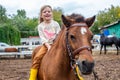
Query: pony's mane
[58,37]
[76,17]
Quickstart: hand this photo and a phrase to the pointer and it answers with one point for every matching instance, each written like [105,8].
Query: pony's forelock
[76,17]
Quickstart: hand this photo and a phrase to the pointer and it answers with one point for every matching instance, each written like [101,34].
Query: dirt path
[107,67]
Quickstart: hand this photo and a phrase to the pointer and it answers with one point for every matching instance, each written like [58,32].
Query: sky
[87,8]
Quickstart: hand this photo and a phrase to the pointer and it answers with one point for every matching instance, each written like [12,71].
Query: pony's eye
[72,37]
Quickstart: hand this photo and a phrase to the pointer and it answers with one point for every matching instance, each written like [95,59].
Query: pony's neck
[63,61]
[59,48]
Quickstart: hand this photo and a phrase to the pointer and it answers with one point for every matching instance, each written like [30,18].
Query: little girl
[48,29]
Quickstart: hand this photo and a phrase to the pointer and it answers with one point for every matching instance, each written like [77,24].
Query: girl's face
[47,14]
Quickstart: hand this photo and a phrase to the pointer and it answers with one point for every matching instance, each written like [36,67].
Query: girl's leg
[36,62]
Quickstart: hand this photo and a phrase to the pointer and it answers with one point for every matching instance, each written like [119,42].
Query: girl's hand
[48,46]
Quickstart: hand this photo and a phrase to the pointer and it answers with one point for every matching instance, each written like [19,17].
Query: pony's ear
[65,21]
[89,21]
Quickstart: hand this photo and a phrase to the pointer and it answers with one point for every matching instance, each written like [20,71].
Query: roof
[106,26]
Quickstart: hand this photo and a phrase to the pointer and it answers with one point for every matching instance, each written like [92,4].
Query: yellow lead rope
[78,73]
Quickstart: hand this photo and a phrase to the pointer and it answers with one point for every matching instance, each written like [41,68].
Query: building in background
[32,40]
[112,29]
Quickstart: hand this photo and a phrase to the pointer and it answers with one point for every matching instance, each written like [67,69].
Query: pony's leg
[105,50]
[117,48]
[101,48]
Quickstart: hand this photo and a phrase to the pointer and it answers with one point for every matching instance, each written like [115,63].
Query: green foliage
[95,29]
[21,13]
[30,28]
[9,34]
[3,16]
[24,24]
[106,17]
[14,27]
[57,15]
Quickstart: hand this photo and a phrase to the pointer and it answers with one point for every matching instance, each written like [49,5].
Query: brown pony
[71,48]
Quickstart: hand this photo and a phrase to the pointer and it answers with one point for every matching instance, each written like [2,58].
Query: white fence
[16,53]
[22,54]
[22,51]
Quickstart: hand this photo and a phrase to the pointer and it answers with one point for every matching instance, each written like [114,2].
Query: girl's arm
[48,46]
[41,35]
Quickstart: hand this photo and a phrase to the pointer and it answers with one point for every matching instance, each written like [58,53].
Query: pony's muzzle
[85,67]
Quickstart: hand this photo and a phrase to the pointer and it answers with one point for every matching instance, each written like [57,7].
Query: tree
[3,16]
[19,20]
[24,24]
[21,13]
[30,29]
[95,29]
[9,34]
[57,12]
[7,30]
[106,17]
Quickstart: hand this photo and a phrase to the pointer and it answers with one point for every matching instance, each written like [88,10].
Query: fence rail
[21,54]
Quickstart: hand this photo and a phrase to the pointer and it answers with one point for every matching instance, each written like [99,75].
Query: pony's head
[78,41]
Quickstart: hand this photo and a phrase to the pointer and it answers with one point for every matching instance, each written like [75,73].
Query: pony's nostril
[87,67]
[86,63]
[83,62]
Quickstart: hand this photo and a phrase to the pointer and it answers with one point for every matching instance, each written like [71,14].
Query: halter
[73,53]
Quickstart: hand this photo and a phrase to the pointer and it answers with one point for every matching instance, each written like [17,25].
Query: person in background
[48,29]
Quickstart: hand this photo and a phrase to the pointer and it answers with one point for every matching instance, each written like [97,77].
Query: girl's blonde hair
[42,8]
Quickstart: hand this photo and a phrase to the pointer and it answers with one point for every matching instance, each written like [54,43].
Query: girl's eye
[44,12]
[48,11]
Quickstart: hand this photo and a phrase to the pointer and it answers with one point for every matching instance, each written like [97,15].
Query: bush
[9,34]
